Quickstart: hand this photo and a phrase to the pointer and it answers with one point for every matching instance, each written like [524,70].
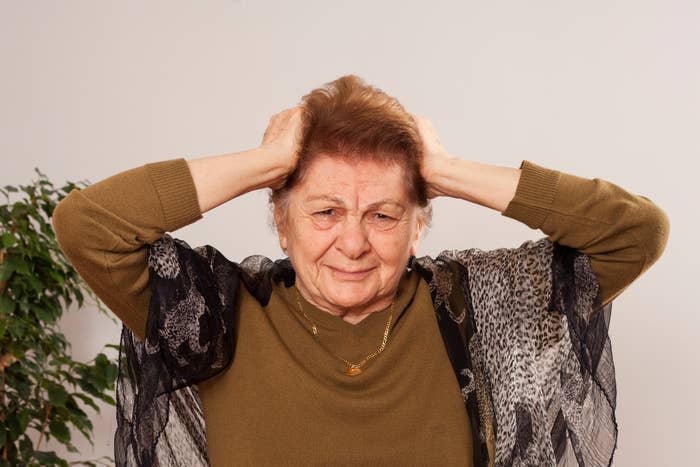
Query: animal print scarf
[524,329]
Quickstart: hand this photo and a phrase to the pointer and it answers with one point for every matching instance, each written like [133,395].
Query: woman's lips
[350,274]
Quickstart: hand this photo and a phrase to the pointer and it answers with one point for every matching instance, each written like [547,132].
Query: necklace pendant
[353,370]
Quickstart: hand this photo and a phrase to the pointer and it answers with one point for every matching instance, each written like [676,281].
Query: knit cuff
[177,192]
[534,195]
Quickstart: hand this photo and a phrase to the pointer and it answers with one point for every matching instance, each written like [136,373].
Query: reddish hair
[350,119]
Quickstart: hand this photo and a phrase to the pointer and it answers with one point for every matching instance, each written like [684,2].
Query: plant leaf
[8,240]
[6,269]
[59,430]
[48,458]
[57,395]
[7,306]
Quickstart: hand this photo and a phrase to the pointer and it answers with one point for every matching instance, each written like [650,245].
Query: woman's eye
[383,221]
[325,213]
[325,218]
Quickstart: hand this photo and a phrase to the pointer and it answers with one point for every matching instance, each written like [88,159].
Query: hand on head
[284,133]
[434,155]
[283,136]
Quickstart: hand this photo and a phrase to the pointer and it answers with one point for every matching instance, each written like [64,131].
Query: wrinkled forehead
[353,183]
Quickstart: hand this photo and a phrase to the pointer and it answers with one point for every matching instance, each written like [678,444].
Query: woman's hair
[352,120]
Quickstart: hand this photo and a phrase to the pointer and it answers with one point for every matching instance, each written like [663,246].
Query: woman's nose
[352,241]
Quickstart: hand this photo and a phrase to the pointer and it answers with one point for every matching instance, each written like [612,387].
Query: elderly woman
[351,351]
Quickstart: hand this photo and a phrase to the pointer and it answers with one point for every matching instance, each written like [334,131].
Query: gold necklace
[353,369]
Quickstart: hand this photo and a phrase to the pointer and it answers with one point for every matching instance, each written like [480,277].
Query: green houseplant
[43,391]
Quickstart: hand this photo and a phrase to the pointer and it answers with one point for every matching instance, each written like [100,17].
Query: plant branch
[5,361]
[6,445]
[99,460]
[3,284]
[47,414]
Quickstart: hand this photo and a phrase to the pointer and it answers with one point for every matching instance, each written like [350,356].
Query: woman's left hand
[488,185]
[435,158]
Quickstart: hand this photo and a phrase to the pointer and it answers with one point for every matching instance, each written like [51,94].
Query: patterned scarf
[524,329]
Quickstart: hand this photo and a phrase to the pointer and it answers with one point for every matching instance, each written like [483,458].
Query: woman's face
[349,230]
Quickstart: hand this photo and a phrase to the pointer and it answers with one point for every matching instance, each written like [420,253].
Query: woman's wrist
[278,163]
[437,175]
[488,185]
[219,179]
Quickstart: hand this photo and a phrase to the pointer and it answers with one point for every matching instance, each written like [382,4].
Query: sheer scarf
[524,328]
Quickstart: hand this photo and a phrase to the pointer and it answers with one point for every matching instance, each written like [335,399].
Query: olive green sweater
[284,399]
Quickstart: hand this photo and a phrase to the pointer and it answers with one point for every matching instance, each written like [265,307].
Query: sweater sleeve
[104,230]
[623,234]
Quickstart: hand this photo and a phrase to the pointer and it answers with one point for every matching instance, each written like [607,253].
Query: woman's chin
[343,303]
[349,297]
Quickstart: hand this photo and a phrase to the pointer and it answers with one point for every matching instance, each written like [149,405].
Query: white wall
[600,88]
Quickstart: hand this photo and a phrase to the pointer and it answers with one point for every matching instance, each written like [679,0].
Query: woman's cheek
[391,246]
[319,240]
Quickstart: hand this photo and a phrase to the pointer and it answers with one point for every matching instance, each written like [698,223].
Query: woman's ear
[280,225]
[420,226]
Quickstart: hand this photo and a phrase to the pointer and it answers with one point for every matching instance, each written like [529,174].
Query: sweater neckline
[406,291]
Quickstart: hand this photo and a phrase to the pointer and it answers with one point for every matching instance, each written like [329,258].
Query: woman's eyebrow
[385,202]
[338,201]
[330,198]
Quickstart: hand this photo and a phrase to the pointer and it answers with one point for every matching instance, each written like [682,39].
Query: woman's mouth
[350,274]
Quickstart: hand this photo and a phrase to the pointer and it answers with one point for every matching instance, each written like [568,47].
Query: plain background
[602,88]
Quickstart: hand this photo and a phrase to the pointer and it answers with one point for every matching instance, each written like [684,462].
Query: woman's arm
[489,185]
[104,229]
[221,178]
[622,233]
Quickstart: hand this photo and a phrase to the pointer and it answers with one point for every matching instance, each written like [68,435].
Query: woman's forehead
[353,182]
[338,200]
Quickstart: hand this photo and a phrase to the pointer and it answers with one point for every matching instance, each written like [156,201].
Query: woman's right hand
[283,138]
[219,179]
